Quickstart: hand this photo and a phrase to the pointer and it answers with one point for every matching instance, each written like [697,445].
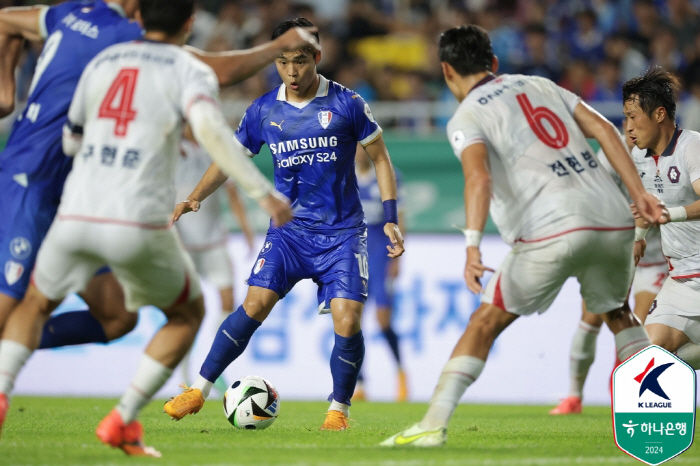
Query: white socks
[690,353]
[150,376]
[203,385]
[13,356]
[185,367]
[582,355]
[631,340]
[338,406]
[458,374]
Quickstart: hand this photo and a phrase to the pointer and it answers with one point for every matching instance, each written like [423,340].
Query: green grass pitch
[60,431]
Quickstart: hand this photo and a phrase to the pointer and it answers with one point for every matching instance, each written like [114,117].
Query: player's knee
[123,324]
[190,314]
[35,302]
[384,318]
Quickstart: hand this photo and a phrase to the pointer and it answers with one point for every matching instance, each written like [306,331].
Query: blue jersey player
[33,167]
[312,126]
[382,269]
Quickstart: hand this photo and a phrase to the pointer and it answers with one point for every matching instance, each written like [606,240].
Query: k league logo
[653,397]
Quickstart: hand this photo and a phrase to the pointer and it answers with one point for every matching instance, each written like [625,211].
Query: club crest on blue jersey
[325,117]
[13,272]
[259,265]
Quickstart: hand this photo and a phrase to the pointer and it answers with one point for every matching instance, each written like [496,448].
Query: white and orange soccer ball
[251,403]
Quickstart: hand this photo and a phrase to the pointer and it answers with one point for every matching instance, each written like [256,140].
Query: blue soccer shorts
[337,264]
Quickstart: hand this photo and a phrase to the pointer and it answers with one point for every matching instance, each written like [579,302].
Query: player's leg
[268,282]
[346,359]
[57,272]
[647,284]
[674,320]
[526,282]
[153,269]
[105,320]
[581,356]
[605,271]
[341,270]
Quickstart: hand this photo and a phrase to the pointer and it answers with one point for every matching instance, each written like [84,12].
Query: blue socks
[346,361]
[393,340]
[230,341]
[72,328]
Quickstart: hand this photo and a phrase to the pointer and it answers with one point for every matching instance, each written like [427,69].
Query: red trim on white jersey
[86,218]
[571,231]
[653,264]
[680,277]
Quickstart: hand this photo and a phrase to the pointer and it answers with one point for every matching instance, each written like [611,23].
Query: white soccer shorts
[150,264]
[533,273]
[677,306]
[649,279]
[214,265]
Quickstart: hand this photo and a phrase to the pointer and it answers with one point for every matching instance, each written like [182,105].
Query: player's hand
[391,230]
[650,208]
[277,206]
[297,38]
[392,270]
[639,248]
[474,270]
[183,208]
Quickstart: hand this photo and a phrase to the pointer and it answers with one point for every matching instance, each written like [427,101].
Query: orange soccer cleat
[335,420]
[129,437]
[569,405]
[190,401]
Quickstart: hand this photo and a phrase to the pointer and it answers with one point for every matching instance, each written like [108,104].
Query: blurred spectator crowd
[386,50]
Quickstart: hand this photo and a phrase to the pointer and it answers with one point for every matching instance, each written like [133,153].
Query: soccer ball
[251,403]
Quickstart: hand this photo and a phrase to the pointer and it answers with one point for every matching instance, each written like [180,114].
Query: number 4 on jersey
[117,103]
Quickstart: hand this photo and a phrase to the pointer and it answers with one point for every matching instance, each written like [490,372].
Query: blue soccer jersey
[313,146]
[33,167]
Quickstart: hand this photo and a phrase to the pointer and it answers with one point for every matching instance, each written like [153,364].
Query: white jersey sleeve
[692,159]
[463,131]
[570,99]
[199,84]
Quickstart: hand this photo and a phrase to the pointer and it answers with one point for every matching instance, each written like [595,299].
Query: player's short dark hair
[285,26]
[166,16]
[656,88]
[467,49]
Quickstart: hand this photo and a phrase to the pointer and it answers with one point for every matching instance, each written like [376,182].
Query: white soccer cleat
[416,436]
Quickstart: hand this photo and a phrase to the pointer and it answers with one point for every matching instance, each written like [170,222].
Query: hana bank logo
[649,381]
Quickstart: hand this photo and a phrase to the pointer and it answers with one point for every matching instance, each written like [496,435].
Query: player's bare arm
[477,199]
[16,25]
[235,66]
[594,125]
[211,181]
[386,179]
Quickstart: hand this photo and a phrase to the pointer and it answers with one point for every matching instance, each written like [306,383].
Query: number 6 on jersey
[121,91]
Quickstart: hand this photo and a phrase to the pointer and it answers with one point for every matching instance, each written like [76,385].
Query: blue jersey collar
[321,92]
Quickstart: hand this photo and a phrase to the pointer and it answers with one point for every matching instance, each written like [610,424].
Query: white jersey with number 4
[131,102]
[670,176]
[546,179]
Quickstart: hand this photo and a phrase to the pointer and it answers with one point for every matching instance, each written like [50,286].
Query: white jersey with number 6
[131,102]
[546,179]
